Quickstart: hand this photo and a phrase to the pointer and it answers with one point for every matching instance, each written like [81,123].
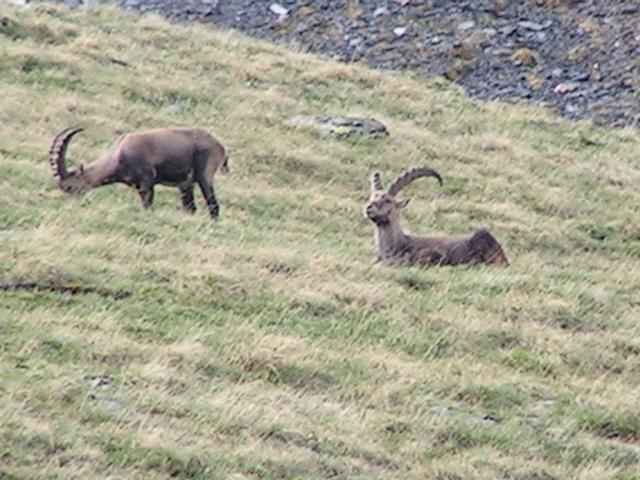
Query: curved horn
[376,182]
[58,150]
[403,180]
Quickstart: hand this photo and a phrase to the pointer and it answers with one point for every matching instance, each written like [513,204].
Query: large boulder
[341,127]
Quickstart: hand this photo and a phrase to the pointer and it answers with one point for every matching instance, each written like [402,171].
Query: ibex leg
[147,178]
[186,195]
[200,164]
[207,193]
[142,176]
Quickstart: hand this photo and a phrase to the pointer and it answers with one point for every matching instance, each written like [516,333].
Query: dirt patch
[68,289]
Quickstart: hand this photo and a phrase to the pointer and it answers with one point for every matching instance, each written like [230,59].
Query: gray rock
[467,25]
[540,37]
[536,27]
[340,127]
[399,31]
[572,108]
[111,404]
[174,109]
[378,12]
[567,87]
[100,381]
[485,421]
[502,51]
[629,9]
[577,94]
[279,10]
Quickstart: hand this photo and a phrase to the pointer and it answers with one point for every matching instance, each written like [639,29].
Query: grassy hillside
[268,345]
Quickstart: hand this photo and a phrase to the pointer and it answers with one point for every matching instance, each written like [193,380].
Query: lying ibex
[169,156]
[399,248]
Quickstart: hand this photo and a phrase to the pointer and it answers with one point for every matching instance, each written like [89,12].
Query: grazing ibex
[397,247]
[169,156]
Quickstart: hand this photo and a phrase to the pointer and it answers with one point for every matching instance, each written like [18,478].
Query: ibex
[169,156]
[396,247]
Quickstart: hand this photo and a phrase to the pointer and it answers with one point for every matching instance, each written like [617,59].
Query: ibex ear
[403,203]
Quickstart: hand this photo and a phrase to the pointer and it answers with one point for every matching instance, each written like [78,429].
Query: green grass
[267,344]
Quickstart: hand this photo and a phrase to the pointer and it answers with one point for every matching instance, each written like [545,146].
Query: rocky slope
[579,57]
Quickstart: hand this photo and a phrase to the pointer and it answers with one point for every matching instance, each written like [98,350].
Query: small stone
[174,109]
[378,12]
[99,381]
[279,10]
[540,37]
[572,108]
[467,25]
[111,404]
[486,421]
[527,25]
[508,30]
[629,9]
[399,31]
[563,88]
[502,51]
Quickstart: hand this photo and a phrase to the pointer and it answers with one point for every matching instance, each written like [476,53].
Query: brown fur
[169,156]
[396,247]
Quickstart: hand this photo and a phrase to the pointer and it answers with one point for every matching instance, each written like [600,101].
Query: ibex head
[383,208]
[73,182]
